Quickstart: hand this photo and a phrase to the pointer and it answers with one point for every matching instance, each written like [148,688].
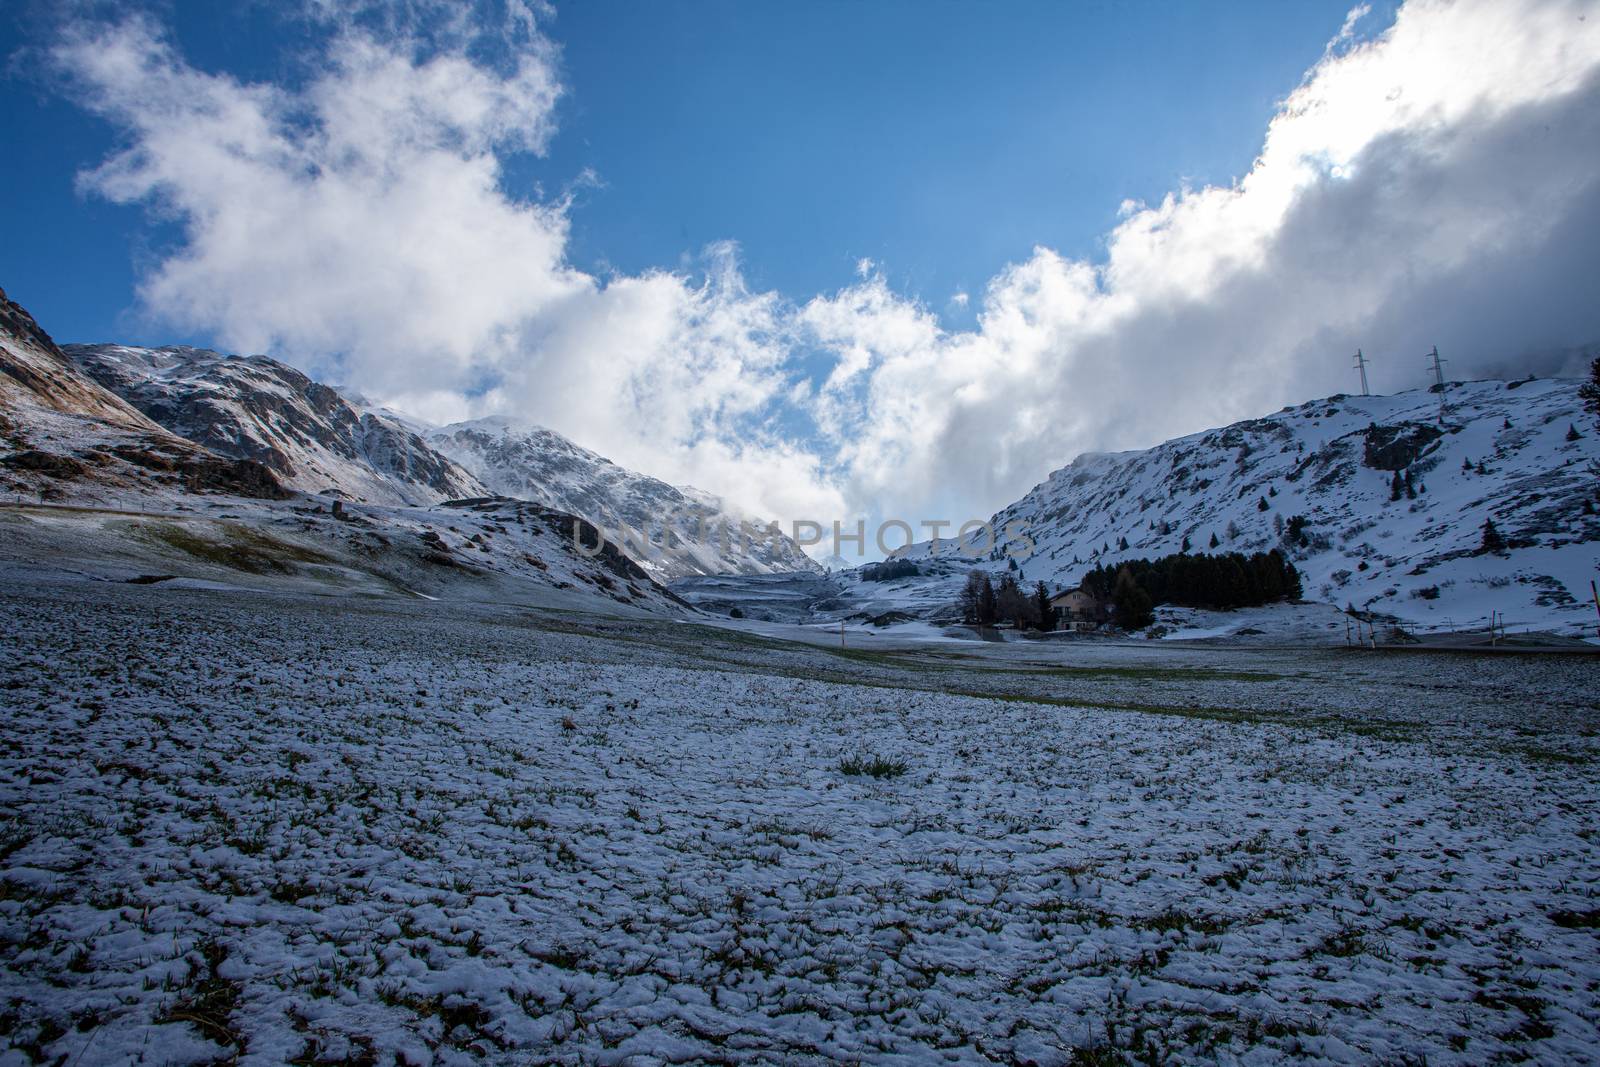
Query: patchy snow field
[280,828]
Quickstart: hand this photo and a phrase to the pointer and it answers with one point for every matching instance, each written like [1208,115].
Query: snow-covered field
[285,828]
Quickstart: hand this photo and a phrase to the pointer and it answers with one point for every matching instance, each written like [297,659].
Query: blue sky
[723,243]
[940,140]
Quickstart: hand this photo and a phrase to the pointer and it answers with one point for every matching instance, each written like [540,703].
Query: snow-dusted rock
[63,435]
[253,407]
[708,537]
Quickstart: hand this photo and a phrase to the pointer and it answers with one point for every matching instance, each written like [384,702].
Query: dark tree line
[985,603]
[889,570]
[1233,580]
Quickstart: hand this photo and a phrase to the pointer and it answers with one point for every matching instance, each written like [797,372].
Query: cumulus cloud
[1436,184]
[358,225]
[359,217]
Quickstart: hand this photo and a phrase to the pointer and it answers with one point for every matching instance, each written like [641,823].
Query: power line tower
[1361,365]
[1438,378]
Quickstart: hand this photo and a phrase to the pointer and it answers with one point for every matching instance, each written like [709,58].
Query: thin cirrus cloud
[1436,184]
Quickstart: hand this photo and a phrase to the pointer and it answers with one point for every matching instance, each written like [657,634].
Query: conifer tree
[1041,603]
[1132,604]
[1492,541]
[977,600]
[1292,587]
[1013,605]
[1590,390]
[1204,581]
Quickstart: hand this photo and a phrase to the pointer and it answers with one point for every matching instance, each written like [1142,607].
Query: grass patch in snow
[240,548]
[1577,920]
[873,766]
[1391,731]
[1540,754]
[1155,674]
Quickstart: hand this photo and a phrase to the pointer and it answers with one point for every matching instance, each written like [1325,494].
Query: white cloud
[1437,184]
[360,217]
[358,226]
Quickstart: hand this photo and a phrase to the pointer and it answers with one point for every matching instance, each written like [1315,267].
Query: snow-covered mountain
[35,375]
[1320,481]
[63,435]
[533,463]
[253,407]
[317,439]
[143,504]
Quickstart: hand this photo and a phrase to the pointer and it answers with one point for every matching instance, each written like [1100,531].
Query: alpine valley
[179,463]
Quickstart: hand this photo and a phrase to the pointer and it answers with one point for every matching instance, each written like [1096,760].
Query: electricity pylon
[1438,378]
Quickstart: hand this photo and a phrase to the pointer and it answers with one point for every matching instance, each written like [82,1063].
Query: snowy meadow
[264,828]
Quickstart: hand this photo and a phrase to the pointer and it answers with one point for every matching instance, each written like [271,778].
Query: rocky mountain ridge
[317,439]
[686,531]
[62,431]
[253,407]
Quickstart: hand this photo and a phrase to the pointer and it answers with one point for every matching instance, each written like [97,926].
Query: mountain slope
[317,440]
[253,407]
[35,374]
[537,464]
[62,433]
[1502,453]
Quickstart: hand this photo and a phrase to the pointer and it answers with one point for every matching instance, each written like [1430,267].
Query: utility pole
[1438,378]
[1361,365]
[1596,594]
